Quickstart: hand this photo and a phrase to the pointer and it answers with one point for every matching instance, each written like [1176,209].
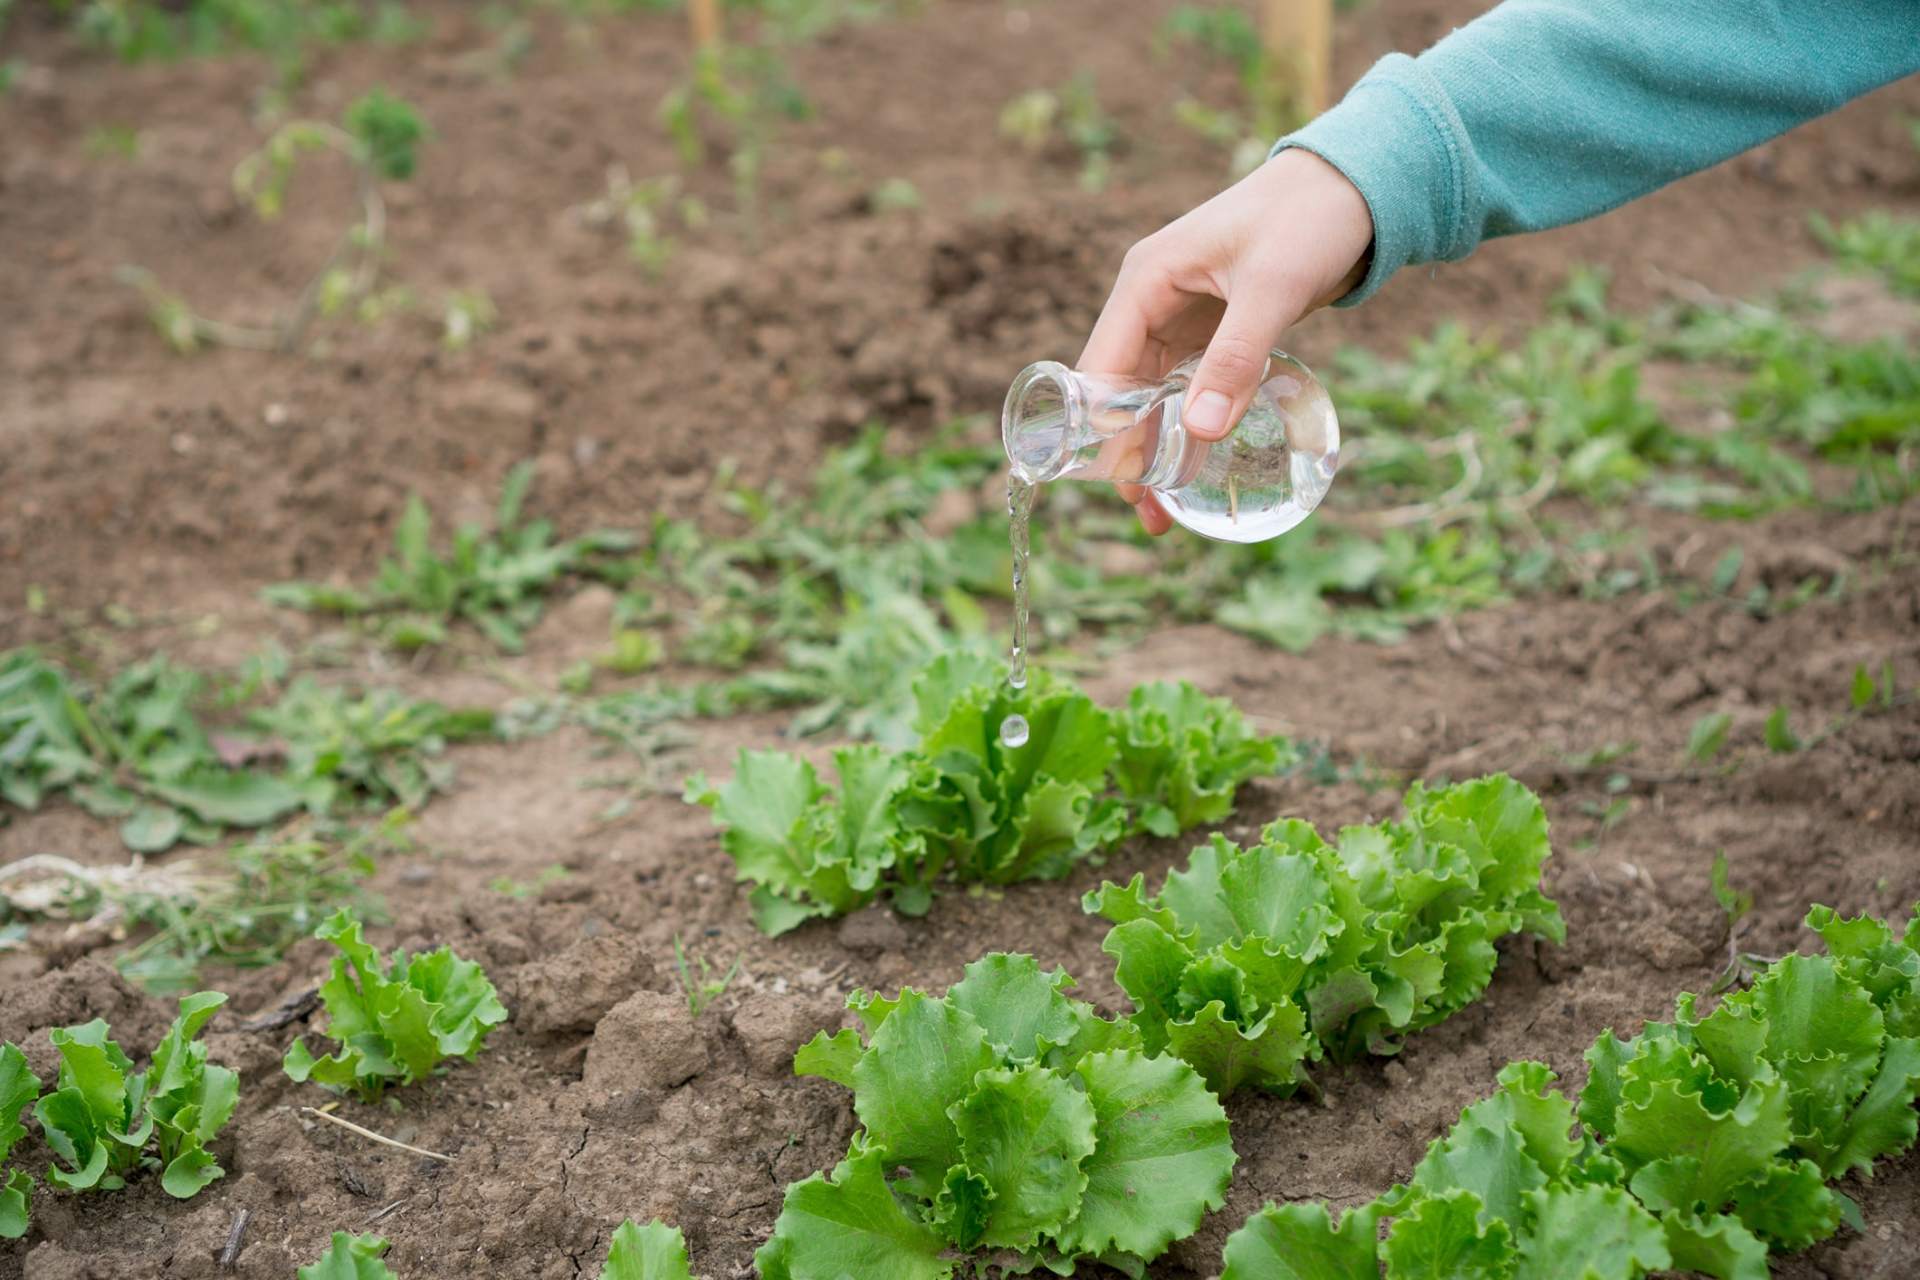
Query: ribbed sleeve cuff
[1398,139]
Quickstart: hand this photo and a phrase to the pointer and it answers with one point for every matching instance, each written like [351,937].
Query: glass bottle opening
[1043,416]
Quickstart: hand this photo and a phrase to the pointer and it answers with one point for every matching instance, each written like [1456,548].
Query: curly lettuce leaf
[1687,1141]
[1228,1054]
[1025,1134]
[1162,1156]
[350,1257]
[19,1086]
[1589,1233]
[1444,1235]
[96,1120]
[1702,1143]
[922,1062]
[1717,1245]
[961,804]
[16,1203]
[810,851]
[1020,1006]
[1789,1205]
[190,1099]
[1886,965]
[850,1225]
[1883,1122]
[830,1057]
[102,1116]
[653,1252]
[1013,1118]
[1300,1242]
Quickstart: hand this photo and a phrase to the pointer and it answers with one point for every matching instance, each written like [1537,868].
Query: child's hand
[1231,276]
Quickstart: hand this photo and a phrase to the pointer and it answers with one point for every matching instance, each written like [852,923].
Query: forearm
[1544,112]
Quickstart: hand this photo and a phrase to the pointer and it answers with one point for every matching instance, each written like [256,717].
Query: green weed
[379,138]
[285,31]
[1072,115]
[496,579]
[266,896]
[137,749]
[743,94]
[521,890]
[698,982]
[1877,242]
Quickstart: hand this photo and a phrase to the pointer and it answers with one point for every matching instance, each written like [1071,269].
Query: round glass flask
[1262,479]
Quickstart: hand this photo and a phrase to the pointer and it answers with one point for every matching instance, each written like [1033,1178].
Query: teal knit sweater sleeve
[1544,112]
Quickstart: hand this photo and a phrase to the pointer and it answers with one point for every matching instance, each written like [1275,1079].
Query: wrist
[1317,196]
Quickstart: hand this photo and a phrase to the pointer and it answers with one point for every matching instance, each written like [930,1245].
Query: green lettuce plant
[1702,1145]
[394,1024]
[1180,756]
[18,1088]
[959,804]
[350,1257]
[1252,962]
[104,1115]
[1004,1121]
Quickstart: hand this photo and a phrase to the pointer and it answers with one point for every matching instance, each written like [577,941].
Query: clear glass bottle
[1265,477]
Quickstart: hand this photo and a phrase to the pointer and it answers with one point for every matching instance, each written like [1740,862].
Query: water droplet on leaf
[1013,731]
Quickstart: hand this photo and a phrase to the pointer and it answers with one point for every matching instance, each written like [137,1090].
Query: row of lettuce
[1006,1124]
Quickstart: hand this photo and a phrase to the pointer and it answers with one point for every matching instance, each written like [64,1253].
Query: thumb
[1234,366]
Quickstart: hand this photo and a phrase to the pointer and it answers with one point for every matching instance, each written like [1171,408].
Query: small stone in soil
[872,931]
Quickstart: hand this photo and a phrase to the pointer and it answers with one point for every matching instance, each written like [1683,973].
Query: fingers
[1118,343]
[1153,517]
[1124,338]
[1236,359]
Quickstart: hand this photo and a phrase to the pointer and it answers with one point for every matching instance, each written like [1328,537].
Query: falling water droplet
[1013,731]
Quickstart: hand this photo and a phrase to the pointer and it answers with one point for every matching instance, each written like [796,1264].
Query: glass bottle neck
[1059,423]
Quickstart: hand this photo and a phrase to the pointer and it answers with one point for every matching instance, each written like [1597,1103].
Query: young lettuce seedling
[104,1114]
[18,1088]
[396,1024]
[961,805]
[350,1258]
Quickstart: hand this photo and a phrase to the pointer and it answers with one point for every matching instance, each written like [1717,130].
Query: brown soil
[163,486]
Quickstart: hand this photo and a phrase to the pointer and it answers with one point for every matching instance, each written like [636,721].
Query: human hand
[1231,276]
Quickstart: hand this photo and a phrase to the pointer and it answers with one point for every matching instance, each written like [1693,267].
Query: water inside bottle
[1269,474]
[1020,495]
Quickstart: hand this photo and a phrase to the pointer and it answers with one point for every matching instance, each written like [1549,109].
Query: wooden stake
[1299,40]
[703,16]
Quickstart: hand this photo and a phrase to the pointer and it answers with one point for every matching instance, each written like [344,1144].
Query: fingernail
[1207,414]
